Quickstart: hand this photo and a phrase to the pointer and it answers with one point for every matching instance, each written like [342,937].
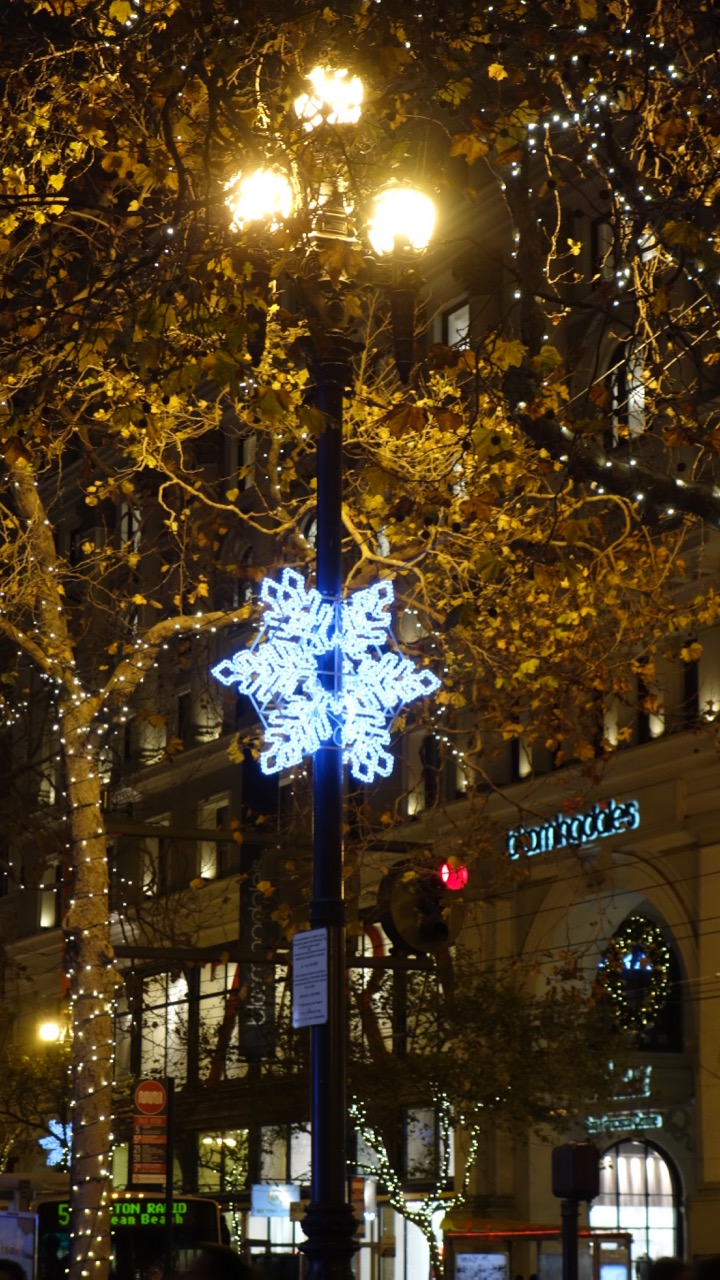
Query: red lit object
[454,875]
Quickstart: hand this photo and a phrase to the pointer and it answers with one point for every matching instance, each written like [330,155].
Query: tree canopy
[535,491]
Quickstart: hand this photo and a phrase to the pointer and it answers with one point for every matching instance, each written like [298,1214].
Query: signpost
[153,1150]
[150,1133]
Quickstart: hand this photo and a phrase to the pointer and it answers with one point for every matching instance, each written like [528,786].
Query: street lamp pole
[329,1223]
[400,227]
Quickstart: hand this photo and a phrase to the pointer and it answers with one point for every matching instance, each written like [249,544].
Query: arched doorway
[640,1192]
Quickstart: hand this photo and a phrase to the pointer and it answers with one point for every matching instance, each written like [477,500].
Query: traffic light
[420,903]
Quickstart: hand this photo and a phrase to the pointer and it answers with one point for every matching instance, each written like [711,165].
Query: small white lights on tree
[335,98]
[284,673]
[263,196]
[402,217]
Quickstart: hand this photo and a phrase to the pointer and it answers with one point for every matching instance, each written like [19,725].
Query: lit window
[456,326]
[639,1193]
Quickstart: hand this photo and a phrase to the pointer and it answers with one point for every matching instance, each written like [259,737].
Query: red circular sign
[150,1097]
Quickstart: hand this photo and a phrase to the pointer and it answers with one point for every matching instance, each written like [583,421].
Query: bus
[137,1232]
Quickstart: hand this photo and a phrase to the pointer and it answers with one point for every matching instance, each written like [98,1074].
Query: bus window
[137,1231]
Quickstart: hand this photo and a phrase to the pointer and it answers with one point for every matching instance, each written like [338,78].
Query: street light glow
[402,216]
[334,98]
[49,1031]
[263,196]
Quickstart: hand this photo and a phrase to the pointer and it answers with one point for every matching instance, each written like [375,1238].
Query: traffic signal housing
[420,903]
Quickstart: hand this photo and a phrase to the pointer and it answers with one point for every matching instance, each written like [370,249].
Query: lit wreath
[637,947]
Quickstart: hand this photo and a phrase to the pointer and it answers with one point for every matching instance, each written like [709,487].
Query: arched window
[640,1193]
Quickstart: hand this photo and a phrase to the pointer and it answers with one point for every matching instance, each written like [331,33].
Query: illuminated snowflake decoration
[320,673]
[57,1143]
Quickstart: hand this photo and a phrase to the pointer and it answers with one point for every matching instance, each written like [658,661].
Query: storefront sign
[606,818]
[256,1023]
[624,1122]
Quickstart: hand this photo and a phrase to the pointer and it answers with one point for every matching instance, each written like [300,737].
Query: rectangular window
[223,1161]
[285,1154]
[220,857]
[456,326]
[164,1021]
[220,996]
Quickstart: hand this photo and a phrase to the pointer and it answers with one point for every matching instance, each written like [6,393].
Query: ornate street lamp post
[335,711]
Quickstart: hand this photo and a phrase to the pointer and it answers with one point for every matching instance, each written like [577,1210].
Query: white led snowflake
[57,1143]
[320,673]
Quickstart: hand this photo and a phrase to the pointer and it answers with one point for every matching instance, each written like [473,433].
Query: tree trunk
[89,961]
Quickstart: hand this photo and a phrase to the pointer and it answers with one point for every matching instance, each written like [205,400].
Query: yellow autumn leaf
[691,652]
[138,599]
[496,71]
[121,11]
[509,353]
[469,145]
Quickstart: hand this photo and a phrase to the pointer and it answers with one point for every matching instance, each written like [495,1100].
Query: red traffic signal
[454,875]
[420,908]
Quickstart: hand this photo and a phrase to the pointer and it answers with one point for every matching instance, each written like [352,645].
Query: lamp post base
[331,1243]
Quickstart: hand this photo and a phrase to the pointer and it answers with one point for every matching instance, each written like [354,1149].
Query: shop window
[640,1193]
[423,1145]
[285,1154]
[223,1161]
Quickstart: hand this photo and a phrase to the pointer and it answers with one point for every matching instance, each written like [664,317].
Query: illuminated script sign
[606,818]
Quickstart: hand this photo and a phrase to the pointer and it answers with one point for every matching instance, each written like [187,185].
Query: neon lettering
[606,818]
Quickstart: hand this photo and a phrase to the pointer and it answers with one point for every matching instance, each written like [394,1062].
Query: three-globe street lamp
[399,228]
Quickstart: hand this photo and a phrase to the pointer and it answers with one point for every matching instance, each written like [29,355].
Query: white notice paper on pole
[310,978]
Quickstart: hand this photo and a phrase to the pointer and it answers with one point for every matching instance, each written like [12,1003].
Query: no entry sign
[150,1097]
[150,1133]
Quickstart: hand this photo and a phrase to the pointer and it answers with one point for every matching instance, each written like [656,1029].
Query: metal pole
[169,1169]
[569,1219]
[329,1222]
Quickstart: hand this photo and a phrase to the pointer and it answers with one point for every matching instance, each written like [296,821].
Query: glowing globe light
[402,217]
[263,196]
[453,874]
[334,98]
[50,1031]
[283,672]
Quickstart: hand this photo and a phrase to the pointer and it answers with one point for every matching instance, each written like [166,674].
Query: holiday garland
[636,964]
